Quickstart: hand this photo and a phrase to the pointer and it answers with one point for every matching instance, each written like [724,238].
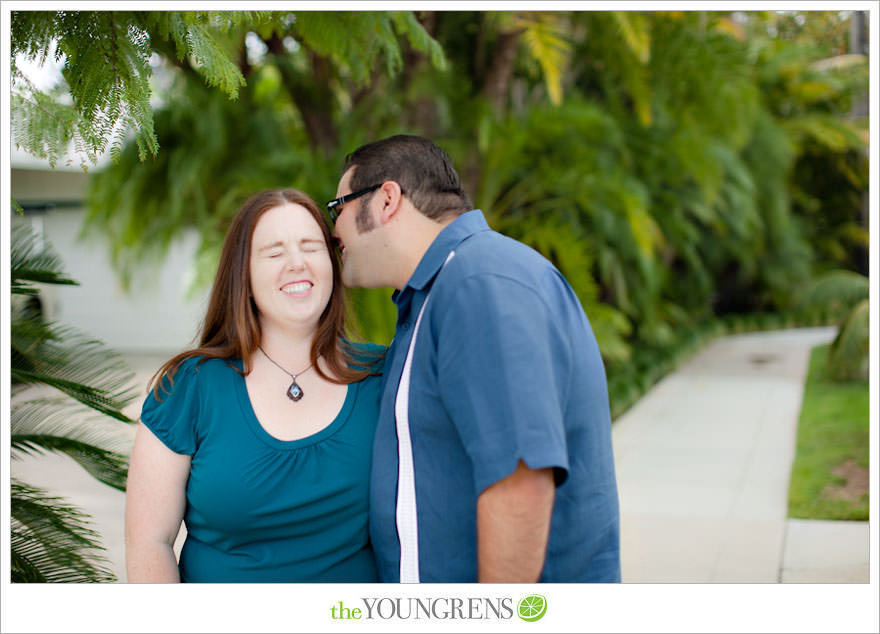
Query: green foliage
[834,293]
[107,73]
[54,424]
[142,207]
[31,263]
[199,35]
[815,91]
[676,166]
[406,24]
[557,212]
[545,38]
[832,432]
[842,296]
[373,314]
[66,360]
[51,540]
[355,40]
[220,151]
[848,354]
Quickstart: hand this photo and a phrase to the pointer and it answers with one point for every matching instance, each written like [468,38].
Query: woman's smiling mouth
[297,288]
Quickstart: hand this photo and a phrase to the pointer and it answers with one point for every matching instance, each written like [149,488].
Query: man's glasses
[334,205]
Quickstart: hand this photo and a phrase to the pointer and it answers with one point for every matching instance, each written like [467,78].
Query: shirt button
[404,326]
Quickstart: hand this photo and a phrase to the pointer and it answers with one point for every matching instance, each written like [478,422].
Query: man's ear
[391,197]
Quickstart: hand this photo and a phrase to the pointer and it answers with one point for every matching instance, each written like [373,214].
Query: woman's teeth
[299,287]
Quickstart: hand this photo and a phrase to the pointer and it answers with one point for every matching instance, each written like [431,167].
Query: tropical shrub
[76,413]
[842,296]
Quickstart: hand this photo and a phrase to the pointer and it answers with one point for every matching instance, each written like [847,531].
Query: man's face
[359,235]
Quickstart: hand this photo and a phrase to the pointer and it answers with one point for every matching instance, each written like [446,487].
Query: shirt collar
[452,235]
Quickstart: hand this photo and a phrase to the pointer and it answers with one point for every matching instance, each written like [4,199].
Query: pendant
[294,392]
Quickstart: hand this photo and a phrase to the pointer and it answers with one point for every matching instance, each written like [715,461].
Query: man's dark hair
[422,170]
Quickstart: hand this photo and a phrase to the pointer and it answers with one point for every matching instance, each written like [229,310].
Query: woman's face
[291,273]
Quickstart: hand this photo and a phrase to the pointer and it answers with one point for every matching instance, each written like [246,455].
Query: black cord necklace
[294,392]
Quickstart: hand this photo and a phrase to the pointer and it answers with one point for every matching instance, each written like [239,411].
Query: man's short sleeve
[504,372]
[173,416]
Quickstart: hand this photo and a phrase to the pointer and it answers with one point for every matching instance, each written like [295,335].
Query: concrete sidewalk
[703,465]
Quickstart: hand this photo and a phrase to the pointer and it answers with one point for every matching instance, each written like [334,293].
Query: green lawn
[830,472]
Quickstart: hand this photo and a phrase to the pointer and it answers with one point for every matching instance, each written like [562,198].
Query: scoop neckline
[298,443]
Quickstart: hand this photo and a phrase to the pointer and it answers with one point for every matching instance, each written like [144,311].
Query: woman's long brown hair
[231,328]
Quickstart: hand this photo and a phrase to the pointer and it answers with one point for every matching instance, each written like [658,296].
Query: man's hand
[513,525]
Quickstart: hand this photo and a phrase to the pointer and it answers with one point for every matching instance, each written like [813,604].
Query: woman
[261,438]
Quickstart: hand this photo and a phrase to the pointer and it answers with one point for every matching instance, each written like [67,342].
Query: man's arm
[513,525]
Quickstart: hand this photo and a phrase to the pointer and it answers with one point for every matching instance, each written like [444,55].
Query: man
[492,459]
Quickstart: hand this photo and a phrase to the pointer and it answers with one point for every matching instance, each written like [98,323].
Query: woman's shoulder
[193,369]
[198,364]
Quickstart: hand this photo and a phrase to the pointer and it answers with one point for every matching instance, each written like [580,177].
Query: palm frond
[71,362]
[635,32]
[52,541]
[828,131]
[32,261]
[544,38]
[61,425]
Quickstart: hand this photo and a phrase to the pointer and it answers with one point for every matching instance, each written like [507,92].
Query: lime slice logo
[532,607]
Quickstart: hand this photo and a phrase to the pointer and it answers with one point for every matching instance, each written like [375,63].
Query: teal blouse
[259,509]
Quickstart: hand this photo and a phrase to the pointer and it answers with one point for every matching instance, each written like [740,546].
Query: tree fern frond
[226,20]
[107,71]
[352,39]
[213,62]
[32,34]
[52,541]
[170,25]
[109,78]
[41,126]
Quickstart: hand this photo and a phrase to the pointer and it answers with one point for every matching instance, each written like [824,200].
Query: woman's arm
[154,506]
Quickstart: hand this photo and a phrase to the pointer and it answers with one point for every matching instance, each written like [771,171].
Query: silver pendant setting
[295,392]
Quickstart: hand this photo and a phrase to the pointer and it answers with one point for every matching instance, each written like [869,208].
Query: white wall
[153,317]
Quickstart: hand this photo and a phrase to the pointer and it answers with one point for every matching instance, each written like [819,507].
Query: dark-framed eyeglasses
[334,205]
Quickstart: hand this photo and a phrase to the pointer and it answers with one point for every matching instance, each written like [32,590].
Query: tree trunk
[312,96]
[496,88]
[421,113]
[497,83]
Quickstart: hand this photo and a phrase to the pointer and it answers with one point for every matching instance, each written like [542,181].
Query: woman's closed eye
[312,247]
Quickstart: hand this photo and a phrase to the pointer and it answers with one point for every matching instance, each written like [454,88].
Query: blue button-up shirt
[505,368]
